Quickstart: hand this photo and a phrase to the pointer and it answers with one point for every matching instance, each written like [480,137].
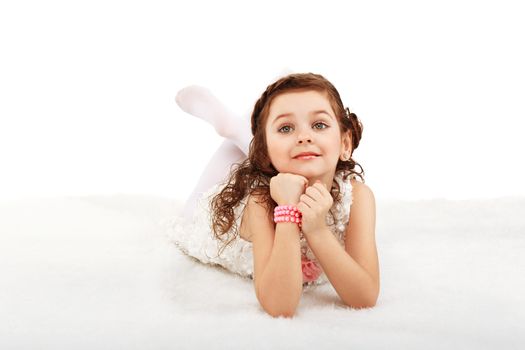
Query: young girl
[292,214]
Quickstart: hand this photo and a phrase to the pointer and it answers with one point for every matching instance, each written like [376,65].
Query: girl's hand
[286,188]
[314,204]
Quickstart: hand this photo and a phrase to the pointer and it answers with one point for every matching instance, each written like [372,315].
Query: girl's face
[303,135]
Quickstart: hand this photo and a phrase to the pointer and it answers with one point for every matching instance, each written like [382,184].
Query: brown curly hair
[252,176]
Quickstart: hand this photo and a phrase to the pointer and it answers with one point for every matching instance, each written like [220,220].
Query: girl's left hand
[314,205]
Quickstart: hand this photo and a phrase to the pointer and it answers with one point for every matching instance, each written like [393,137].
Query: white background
[87,90]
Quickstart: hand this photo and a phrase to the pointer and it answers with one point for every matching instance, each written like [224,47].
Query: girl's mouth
[306,155]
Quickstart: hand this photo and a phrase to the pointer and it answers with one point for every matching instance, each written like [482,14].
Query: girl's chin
[310,176]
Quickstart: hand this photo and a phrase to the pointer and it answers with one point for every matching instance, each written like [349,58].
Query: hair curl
[252,176]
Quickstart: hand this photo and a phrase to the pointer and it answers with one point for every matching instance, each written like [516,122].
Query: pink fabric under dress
[195,237]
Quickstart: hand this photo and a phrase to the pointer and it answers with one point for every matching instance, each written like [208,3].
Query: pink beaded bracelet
[287,213]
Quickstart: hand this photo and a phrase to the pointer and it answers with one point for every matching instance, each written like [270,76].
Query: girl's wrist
[287,213]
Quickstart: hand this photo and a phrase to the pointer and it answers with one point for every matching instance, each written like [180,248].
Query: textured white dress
[195,237]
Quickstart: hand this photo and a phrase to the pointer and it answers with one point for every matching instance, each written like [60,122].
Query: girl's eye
[320,125]
[285,129]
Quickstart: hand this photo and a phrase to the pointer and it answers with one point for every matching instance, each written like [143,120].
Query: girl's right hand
[286,188]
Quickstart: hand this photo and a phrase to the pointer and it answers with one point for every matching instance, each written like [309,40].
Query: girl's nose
[304,137]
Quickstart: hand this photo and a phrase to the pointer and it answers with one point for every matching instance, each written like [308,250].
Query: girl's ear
[346,146]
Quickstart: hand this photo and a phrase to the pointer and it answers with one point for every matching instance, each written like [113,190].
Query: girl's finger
[314,192]
[322,189]
[303,208]
[307,200]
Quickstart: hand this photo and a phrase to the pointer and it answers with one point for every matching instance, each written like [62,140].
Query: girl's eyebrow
[321,111]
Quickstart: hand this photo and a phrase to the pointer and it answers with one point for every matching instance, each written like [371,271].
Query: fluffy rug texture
[99,272]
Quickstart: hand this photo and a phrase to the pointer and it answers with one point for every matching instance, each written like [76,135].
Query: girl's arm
[354,270]
[277,260]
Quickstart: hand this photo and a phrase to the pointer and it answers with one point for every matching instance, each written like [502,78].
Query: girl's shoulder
[357,184]
[361,193]
[256,203]
[255,214]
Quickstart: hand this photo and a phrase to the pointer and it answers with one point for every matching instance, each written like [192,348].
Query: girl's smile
[306,156]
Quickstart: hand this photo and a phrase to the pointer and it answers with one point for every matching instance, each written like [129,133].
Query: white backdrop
[87,90]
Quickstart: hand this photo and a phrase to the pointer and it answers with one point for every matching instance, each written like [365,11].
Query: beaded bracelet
[287,213]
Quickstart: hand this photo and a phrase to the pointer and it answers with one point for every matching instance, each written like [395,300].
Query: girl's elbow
[363,303]
[372,301]
[278,309]
[283,312]
[283,306]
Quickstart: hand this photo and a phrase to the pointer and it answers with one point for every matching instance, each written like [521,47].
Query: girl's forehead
[299,102]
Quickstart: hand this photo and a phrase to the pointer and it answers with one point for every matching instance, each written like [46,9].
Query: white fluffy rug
[98,272]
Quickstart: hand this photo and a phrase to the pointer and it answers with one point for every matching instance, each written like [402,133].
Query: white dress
[195,237]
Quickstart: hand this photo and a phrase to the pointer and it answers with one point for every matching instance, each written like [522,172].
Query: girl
[283,217]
